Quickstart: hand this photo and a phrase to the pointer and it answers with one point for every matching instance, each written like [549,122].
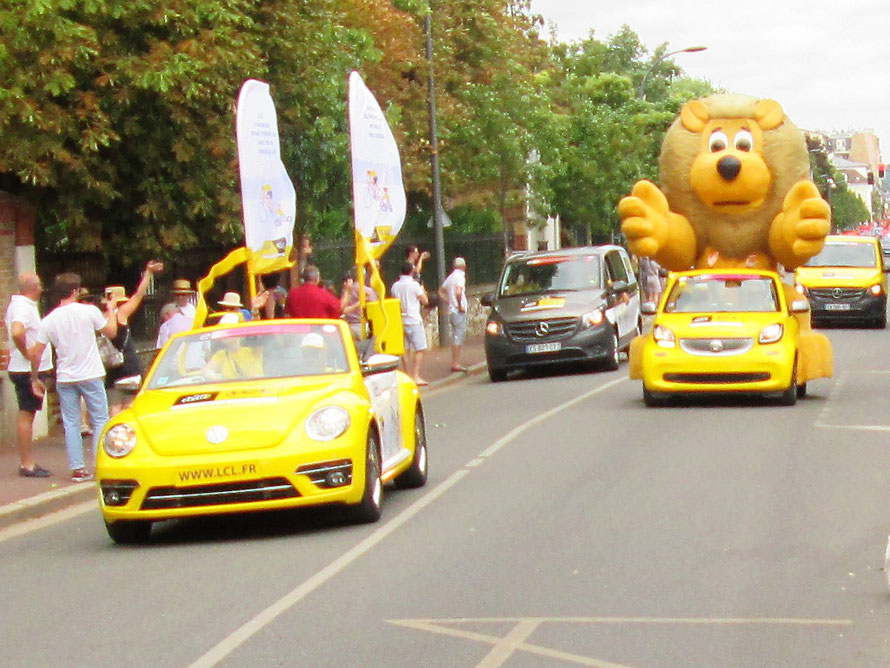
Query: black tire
[789,396]
[652,399]
[416,475]
[496,374]
[612,362]
[370,507]
[801,390]
[129,532]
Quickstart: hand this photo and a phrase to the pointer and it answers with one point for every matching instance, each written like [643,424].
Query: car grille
[836,293]
[267,489]
[716,378]
[718,346]
[550,329]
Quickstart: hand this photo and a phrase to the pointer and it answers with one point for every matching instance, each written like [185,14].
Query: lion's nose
[729,167]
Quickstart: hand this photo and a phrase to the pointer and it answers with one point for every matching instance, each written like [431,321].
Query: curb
[43,504]
[455,378]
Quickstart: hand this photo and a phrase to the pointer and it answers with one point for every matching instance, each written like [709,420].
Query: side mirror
[129,384]
[487,299]
[379,363]
[800,306]
[648,308]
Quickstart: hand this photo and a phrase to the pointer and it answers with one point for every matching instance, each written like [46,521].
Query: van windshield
[845,254]
[553,273]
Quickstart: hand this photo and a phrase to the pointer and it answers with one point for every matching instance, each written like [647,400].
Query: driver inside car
[235,361]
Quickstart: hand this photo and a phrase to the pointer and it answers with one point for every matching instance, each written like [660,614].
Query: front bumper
[845,304]
[762,369]
[171,487]
[586,344]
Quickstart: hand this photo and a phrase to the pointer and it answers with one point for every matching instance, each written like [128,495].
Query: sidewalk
[27,498]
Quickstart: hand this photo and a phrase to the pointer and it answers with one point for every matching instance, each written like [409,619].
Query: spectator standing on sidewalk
[125,307]
[454,291]
[71,329]
[411,295]
[417,258]
[182,296]
[22,325]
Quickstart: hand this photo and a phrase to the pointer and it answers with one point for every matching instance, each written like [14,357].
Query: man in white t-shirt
[71,328]
[454,291]
[411,295]
[22,324]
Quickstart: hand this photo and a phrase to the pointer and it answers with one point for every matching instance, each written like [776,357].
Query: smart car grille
[836,293]
[718,346]
[247,491]
[716,378]
[549,329]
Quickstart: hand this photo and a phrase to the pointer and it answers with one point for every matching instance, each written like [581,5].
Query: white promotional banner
[377,190]
[268,199]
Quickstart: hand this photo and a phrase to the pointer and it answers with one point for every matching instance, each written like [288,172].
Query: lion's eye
[744,141]
[718,142]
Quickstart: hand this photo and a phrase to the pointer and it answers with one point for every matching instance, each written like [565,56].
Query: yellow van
[845,282]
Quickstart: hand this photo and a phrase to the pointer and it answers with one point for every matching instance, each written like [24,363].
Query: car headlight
[593,318]
[771,333]
[494,328]
[120,440]
[876,289]
[327,423]
[801,290]
[663,336]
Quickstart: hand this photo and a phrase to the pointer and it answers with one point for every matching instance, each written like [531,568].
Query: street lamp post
[641,93]
[438,222]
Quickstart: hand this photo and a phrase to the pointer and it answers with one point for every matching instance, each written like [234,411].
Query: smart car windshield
[723,294]
[551,273]
[845,254]
[251,353]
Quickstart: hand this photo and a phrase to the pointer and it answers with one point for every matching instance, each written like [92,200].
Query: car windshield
[251,353]
[845,254]
[723,294]
[552,273]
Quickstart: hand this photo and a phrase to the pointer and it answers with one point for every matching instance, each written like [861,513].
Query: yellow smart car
[724,331]
[846,282]
[260,416]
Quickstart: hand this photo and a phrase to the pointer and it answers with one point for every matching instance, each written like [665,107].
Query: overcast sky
[827,63]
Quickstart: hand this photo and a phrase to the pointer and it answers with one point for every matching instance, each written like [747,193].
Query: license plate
[196,474]
[543,347]
[837,307]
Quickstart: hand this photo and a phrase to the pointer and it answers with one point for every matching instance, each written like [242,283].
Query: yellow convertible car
[728,331]
[260,416]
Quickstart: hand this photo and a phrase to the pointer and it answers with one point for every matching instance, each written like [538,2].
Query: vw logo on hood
[217,434]
[542,328]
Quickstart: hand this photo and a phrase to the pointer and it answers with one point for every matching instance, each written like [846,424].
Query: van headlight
[800,289]
[327,423]
[771,333]
[119,440]
[876,289]
[663,336]
[494,328]
[593,318]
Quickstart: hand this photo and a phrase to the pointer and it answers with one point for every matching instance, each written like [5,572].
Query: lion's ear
[768,114]
[694,115]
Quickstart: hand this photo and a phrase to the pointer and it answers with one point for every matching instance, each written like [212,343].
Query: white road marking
[822,422]
[504,647]
[26,527]
[241,635]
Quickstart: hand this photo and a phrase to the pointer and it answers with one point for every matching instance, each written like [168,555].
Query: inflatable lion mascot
[735,191]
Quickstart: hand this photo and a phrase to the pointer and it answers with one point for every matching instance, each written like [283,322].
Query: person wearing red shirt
[310,300]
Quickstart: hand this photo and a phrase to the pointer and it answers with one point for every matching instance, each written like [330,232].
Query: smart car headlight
[771,333]
[663,336]
[327,423]
[120,440]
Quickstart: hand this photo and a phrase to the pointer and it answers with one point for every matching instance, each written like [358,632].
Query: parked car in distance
[728,331]
[846,282]
[574,305]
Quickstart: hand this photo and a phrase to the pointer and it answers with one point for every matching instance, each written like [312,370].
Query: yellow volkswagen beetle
[260,416]
[728,331]
[846,281]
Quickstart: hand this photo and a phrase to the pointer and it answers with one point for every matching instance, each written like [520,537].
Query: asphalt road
[563,524]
